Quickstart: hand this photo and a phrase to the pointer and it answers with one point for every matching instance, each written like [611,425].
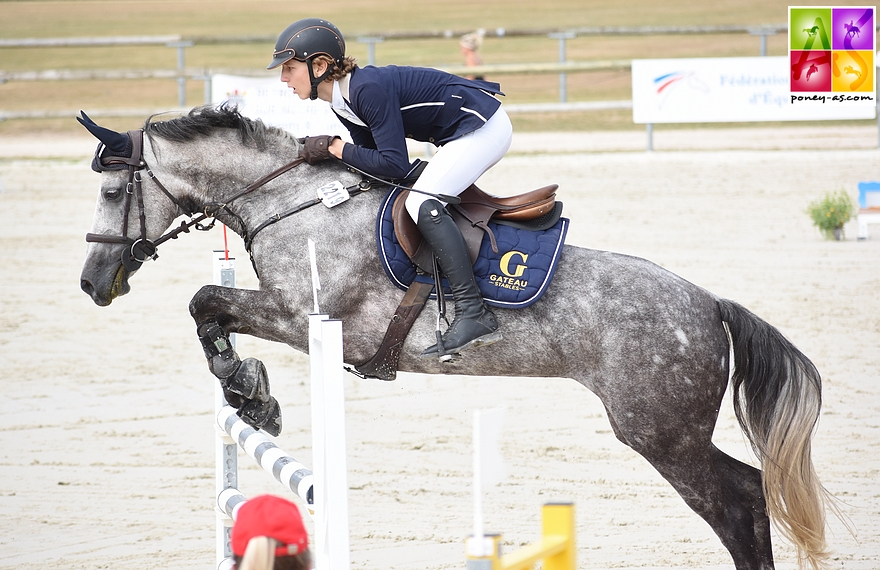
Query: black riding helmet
[303,40]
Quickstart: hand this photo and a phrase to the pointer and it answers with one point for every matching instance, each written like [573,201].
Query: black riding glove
[316,149]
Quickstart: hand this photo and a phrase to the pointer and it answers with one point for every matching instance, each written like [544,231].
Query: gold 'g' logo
[505,264]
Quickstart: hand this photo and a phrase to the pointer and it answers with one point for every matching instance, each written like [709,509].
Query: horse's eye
[112,194]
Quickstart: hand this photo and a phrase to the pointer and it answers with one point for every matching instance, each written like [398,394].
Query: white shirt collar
[341,106]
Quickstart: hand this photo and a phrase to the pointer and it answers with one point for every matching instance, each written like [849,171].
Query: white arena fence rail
[324,491]
[182,74]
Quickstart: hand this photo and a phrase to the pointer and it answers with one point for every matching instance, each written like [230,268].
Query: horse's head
[196,165]
[122,233]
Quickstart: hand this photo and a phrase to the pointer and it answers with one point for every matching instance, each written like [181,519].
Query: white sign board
[728,89]
[273,102]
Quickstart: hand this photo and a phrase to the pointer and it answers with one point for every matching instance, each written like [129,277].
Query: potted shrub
[831,212]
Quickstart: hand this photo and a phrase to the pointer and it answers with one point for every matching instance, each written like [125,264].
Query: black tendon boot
[474,324]
[245,383]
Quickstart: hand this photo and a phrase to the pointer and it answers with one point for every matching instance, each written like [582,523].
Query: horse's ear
[116,142]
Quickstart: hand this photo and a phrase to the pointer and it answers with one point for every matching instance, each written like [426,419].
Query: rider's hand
[317,149]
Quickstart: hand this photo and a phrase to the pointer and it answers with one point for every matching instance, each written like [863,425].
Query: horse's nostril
[87,287]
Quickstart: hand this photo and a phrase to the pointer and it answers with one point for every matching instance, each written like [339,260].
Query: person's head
[268,534]
[310,51]
[472,41]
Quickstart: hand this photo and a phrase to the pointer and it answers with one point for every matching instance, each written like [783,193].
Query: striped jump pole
[326,491]
[295,476]
[228,502]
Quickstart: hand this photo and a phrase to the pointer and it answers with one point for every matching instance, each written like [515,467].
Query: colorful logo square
[852,28]
[810,71]
[832,55]
[853,71]
[809,28]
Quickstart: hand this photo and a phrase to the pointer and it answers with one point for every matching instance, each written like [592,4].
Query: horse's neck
[216,170]
[294,189]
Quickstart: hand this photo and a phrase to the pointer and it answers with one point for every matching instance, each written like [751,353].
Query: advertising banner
[735,89]
[277,105]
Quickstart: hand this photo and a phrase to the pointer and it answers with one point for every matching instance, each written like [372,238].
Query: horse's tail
[777,395]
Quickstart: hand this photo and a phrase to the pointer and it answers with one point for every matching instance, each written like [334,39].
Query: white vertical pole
[226,451]
[478,481]
[488,470]
[335,456]
[316,281]
[331,551]
[316,362]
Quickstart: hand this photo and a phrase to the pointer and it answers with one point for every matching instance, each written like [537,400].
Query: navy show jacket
[420,103]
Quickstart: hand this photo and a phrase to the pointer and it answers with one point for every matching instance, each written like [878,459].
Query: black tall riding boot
[474,324]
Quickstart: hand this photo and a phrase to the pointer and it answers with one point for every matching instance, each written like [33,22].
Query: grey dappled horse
[651,345]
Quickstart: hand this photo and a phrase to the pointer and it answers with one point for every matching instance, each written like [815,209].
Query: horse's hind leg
[219,311]
[745,482]
[725,492]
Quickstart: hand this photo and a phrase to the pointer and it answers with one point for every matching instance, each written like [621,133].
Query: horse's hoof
[262,415]
[233,399]
[250,381]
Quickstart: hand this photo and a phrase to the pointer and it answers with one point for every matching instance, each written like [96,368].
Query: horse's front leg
[220,311]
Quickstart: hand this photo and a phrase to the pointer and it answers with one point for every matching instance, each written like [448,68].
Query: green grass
[73,18]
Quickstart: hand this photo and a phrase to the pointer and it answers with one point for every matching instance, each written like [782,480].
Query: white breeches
[457,164]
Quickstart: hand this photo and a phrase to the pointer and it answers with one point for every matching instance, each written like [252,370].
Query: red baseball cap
[268,515]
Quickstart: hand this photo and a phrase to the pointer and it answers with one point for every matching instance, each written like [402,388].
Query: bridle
[139,250]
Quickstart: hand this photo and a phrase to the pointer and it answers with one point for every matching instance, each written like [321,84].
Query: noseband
[139,250]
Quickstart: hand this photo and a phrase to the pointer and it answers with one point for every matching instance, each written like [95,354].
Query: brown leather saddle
[472,215]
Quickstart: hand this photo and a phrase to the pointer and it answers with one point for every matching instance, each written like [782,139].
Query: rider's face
[296,75]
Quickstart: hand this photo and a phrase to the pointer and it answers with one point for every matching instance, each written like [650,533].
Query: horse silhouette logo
[849,70]
[851,30]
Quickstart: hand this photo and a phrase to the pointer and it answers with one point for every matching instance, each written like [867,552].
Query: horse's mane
[203,121]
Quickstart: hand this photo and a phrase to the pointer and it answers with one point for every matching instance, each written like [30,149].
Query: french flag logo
[664,81]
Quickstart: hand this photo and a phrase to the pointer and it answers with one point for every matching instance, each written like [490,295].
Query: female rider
[383,106]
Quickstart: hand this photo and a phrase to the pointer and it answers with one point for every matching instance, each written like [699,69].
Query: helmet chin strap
[317,80]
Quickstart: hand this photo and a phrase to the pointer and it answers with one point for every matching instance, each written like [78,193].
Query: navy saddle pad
[514,278]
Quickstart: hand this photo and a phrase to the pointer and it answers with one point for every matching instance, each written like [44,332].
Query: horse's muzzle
[104,293]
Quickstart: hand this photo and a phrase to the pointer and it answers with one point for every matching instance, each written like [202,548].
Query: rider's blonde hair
[260,555]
